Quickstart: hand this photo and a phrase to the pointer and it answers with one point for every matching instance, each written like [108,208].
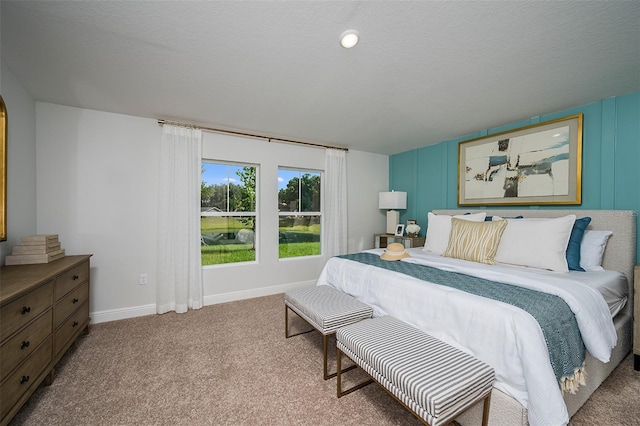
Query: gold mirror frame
[3,170]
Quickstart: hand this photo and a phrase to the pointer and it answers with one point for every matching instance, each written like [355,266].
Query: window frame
[235,213]
[319,214]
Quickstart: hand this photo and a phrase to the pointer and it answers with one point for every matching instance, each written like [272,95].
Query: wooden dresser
[43,309]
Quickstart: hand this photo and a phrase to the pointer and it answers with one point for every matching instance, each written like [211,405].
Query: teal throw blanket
[557,321]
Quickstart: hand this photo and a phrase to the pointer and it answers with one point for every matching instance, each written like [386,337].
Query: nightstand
[382,240]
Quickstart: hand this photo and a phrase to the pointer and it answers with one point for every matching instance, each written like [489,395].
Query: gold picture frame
[535,165]
[3,170]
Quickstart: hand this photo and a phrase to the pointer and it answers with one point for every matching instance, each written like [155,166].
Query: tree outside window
[227,213]
[300,217]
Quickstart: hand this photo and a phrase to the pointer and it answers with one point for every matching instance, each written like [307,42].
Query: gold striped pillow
[474,241]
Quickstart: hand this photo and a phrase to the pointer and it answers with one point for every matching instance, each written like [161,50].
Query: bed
[524,392]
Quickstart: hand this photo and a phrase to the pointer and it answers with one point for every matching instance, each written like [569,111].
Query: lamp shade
[392,200]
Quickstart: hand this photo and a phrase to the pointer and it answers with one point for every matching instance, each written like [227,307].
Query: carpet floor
[229,364]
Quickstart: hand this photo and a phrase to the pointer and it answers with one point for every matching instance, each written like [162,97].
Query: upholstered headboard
[620,254]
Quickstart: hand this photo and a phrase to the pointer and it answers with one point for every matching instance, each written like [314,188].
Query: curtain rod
[252,135]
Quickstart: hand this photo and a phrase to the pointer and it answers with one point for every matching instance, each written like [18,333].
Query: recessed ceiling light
[349,38]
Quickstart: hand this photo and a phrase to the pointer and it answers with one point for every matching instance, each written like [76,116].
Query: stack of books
[35,249]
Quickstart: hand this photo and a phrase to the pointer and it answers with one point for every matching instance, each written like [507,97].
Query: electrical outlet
[144,279]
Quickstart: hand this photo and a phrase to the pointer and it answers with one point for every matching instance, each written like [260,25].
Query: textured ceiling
[423,72]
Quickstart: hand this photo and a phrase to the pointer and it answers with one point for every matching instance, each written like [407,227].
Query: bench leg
[286,321]
[485,411]
[340,393]
[325,357]
[325,345]
[286,324]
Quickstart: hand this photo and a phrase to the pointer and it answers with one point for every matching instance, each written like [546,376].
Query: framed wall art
[3,170]
[537,164]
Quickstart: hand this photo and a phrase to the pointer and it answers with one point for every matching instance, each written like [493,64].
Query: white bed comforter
[507,338]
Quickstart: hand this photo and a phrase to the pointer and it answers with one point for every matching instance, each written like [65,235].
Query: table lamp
[392,201]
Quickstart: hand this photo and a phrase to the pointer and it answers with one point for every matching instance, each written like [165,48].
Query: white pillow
[592,249]
[439,228]
[536,242]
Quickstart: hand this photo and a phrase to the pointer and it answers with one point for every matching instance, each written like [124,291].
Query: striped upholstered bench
[432,379]
[325,309]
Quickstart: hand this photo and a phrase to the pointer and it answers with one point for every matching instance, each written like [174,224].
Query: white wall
[272,275]
[269,272]
[367,175]
[21,161]
[97,175]
[96,188]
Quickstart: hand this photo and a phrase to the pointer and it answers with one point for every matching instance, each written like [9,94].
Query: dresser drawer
[18,313]
[20,346]
[70,279]
[71,302]
[26,376]
[71,327]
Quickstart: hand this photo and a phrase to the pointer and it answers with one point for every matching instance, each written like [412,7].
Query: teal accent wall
[610,162]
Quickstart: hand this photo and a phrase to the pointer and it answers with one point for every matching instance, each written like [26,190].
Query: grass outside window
[225,240]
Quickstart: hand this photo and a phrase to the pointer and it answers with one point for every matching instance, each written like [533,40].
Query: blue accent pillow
[573,248]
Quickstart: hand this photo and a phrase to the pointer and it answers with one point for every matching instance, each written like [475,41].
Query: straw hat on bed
[394,251]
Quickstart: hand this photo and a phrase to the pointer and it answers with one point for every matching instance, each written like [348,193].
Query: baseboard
[122,313]
[214,299]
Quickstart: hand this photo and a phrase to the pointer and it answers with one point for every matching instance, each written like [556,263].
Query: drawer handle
[75,277]
[24,380]
[26,310]
[75,323]
[75,300]
[25,344]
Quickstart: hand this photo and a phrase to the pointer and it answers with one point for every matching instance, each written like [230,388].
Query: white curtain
[335,203]
[179,268]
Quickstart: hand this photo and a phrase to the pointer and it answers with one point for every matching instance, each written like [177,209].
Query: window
[227,213]
[300,216]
